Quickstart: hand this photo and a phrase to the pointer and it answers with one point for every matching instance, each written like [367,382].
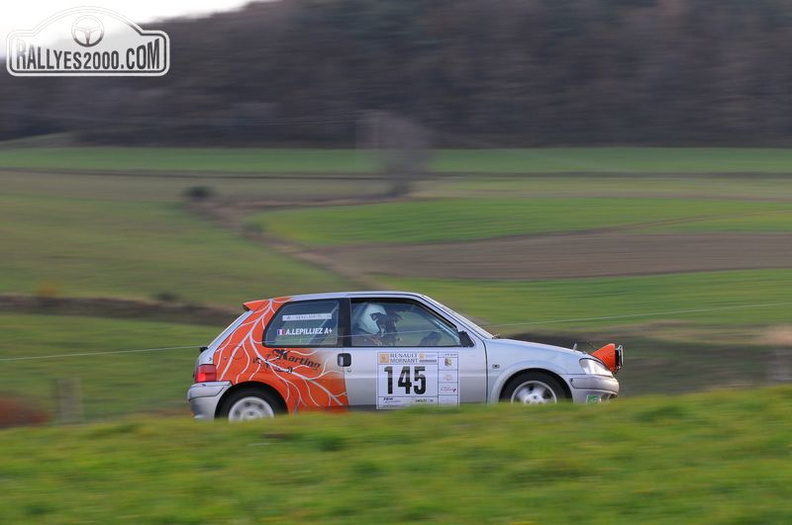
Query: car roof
[357,294]
[383,294]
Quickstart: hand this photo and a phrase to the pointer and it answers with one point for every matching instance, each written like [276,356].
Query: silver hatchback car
[381,350]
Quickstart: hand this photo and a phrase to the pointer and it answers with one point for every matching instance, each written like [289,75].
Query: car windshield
[468,323]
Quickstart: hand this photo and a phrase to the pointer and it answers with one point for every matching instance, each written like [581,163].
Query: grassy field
[224,160]
[754,297]
[721,457]
[86,247]
[467,219]
[767,188]
[130,236]
[118,187]
[614,160]
[116,377]
[544,160]
[127,235]
[769,219]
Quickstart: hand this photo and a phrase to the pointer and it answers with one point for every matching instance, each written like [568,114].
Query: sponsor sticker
[279,357]
[305,331]
[308,317]
[87,41]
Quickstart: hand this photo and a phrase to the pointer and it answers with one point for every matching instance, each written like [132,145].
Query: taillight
[205,373]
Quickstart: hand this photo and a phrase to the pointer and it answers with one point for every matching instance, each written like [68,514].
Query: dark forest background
[470,72]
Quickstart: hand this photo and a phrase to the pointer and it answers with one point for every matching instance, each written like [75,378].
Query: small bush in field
[167,297]
[48,289]
[15,412]
[199,193]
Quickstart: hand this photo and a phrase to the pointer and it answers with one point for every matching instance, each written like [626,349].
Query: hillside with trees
[473,73]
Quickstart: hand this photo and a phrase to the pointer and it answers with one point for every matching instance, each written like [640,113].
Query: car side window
[304,324]
[399,324]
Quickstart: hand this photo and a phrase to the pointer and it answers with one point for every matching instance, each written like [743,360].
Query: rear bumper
[204,398]
[593,389]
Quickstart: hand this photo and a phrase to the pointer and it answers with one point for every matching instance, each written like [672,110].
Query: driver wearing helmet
[373,326]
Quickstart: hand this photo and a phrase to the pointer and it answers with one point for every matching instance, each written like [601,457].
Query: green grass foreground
[528,160]
[720,457]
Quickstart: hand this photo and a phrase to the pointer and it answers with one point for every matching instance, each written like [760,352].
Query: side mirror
[465,339]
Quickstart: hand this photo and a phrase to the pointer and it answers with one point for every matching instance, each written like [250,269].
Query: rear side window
[304,324]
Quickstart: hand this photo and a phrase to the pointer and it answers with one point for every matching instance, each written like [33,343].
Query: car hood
[514,344]
[510,352]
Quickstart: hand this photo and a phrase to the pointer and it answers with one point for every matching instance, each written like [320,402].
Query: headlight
[591,366]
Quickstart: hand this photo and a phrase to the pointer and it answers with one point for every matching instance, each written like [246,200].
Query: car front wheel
[534,388]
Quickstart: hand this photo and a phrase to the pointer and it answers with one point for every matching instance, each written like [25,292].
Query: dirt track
[573,255]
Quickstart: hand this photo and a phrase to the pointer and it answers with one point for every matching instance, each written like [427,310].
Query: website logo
[88,41]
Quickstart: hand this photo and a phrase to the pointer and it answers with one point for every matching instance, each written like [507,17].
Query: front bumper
[204,398]
[593,389]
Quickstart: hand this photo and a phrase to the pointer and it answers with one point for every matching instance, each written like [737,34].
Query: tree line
[473,73]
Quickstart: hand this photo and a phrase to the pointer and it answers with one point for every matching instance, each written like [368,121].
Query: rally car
[381,350]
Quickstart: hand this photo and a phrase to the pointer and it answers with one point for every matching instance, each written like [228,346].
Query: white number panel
[410,378]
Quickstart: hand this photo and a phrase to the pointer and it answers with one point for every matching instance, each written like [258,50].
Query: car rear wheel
[534,388]
[247,405]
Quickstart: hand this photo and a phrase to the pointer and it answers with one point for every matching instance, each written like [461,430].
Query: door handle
[344,359]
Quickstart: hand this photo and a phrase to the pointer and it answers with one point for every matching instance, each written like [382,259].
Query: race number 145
[412,379]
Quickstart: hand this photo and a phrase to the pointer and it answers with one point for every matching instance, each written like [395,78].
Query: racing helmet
[363,319]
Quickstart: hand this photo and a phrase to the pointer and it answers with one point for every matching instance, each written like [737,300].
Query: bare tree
[401,145]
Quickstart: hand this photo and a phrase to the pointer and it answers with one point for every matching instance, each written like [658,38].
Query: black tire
[249,404]
[534,388]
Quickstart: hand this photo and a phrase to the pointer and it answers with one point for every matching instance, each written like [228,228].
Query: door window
[399,324]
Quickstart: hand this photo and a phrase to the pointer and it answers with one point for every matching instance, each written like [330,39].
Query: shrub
[167,297]
[15,412]
[48,289]
[199,193]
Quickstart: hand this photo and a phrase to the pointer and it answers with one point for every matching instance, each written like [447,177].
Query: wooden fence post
[781,366]
[780,362]
[68,394]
